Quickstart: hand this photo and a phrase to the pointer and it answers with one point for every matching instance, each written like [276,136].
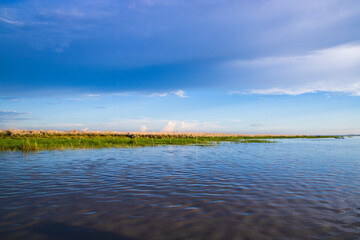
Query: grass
[22,140]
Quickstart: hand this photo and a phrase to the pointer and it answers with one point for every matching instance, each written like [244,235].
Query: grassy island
[33,140]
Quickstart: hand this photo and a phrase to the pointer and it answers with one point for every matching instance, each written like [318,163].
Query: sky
[233,66]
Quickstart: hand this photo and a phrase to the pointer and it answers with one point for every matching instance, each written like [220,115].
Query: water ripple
[295,189]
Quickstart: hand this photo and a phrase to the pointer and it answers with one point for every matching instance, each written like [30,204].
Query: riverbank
[33,140]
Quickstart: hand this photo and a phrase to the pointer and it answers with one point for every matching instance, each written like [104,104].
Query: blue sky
[275,66]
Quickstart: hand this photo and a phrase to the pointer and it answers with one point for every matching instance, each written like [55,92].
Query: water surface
[293,189]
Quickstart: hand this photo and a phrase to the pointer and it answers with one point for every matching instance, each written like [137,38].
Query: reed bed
[18,132]
[33,140]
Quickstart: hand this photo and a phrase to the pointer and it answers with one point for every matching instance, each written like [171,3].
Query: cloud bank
[334,69]
[76,46]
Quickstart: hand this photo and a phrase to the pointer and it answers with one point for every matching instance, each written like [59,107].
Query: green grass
[34,143]
[74,141]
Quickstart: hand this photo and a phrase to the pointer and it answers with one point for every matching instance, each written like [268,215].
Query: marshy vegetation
[33,140]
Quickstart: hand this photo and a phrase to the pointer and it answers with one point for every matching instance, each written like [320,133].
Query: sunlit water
[293,189]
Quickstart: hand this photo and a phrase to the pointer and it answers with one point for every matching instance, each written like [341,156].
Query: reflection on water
[294,189]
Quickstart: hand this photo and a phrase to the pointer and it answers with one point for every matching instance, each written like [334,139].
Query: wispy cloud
[178,93]
[352,89]
[159,94]
[13,22]
[329,70]
[13,99]
[90,95]
[8,116]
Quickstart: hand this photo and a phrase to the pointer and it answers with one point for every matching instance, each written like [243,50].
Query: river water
[293,189]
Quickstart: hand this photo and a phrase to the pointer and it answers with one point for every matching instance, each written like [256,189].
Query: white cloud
[187,126]
[170,127]
[272,91]
[159,94]
[191,126]
[352,89]
[334,69]
[148,124]
[180,93]
[143,128]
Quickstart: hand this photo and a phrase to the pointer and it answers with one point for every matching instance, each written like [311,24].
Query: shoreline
[34,140]
[18,132]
